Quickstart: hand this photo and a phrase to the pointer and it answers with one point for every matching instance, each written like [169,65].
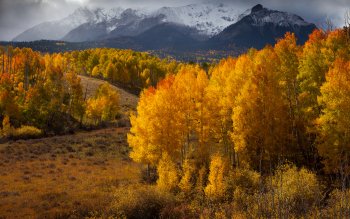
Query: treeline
[237,136]
[134,70]
[42,94]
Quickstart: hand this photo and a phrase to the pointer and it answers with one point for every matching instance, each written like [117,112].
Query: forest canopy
[271,111]
[44,93]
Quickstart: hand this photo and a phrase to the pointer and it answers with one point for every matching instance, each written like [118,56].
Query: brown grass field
[73,175]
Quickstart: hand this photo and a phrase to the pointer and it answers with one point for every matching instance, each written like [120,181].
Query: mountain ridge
[208,18]
[171,28]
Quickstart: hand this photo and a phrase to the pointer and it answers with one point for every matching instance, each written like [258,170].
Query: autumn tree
[187,181]
[179,99]
[104,105]
[8,104]
[288,53]
[334,122]
[312,69]
[168,178]
[217,186]
[260,115]
[75,96]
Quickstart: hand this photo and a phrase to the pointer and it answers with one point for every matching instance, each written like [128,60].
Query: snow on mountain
[107,24]
[262,26]
[262,15]
[56,30]
[208,19]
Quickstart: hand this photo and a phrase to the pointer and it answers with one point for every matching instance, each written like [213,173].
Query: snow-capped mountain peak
[208,19]
[262,15]
[96,15]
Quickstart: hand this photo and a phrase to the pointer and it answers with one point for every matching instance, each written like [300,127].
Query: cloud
[19,15]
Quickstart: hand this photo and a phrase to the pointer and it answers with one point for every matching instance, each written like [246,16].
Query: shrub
[141,201]
[246,179]
[295,192]
[338,205]
[243,184]
[25,132]
[181,211]
[7,129]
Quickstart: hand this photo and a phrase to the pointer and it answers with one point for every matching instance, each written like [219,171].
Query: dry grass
[71,176]
[67,175]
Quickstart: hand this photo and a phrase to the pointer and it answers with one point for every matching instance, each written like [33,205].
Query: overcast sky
[19,15]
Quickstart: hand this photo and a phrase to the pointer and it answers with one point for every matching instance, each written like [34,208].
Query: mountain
[208,18]
[165,36]
[262,26]
[56,30]
[169,36]
[197,27]
[256,28]
[109,26]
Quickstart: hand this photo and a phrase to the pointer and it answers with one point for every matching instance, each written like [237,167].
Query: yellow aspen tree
[216,188]
[336,45]
[184,86]
[334,123]
[109,99]
[168,177]
[76,98]
[104,105]
[187,180]
[203,116]
[96,72]
[288,53]
[191,112]
[240,74]
[312,70]
[166,121]
[260,115]
[156,127]
[140,138]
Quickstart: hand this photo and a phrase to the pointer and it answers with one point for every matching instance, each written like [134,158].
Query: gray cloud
[19,15]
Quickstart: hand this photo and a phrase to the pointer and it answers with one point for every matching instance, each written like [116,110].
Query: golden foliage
[334,122]
[187,180]
[168,177]
[295,191]
[104,105]
[217,185]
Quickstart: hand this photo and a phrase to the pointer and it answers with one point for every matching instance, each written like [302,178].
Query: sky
[19,15]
